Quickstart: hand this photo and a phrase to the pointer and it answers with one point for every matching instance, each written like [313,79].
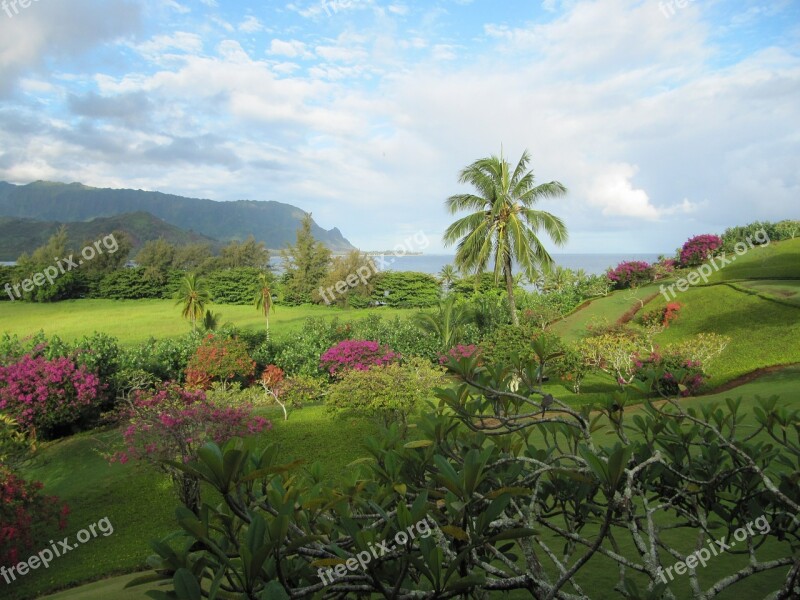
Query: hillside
[273,223]
[25,235]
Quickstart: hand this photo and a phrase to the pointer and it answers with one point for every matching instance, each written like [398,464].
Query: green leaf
[186,586]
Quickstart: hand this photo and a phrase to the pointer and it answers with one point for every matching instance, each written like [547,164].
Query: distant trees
[352,273]
[504,225]
[306,264]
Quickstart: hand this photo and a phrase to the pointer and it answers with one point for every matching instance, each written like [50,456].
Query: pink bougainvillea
[699,248]
[27,517]
[172,423]
[458,352]
[630,274]
[356,354]
[44,394]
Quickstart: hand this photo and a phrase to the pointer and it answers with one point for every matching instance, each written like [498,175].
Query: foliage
[348,282]
[698,249]
[671,373]
[14,444]
[262,298]
[448,323]
[459,352]
[402,335]
[218,358]
[233,395]
[358,355]
[47,396]
[391,392]
[663,316]
[28,518]
[70,284]
[303,389]
[701,348]
[301,354]
[630,274]
[170,425]
[571,366]
[232,286]
[512,502]
[504,226]
[166,358]
[306,265]
[193,297]
[248,254]
[405,289]
[131,284]
[663,268]
[760,233]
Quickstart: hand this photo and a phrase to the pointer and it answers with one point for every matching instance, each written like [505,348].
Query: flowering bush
[172,424]
[698,249]
[218,358]
[45,395]
[662,317]
[681,375]
[631,273]
[357,355]
[458,352]
[27,517]
[663,268]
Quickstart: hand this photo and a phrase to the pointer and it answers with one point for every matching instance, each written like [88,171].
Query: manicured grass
[786,290]
[763,333]
[603,310]
[778,260]
[134,321]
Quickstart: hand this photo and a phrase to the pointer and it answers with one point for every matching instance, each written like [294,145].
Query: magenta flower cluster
[458,352]
[43,394]
[357,355]
[172,423]
[700,248]
[630,273]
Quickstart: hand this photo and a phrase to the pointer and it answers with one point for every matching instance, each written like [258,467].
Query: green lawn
[140,503]
[778,260]
[134,321]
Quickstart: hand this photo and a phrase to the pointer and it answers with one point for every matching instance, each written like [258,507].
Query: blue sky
[662,120]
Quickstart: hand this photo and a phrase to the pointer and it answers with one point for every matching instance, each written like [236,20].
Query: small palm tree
[503,226]
[194,297]
[211,321]
[447,322]
[263,298]
[448,275]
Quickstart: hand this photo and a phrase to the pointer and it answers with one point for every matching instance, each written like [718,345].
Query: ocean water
[593,264]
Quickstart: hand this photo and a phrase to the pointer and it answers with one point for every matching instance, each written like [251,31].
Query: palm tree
[448,275]
[211,321]
[447,322]
[194,297]
[503,226]
[263,298]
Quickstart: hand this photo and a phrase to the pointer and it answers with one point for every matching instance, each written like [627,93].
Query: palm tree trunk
[512,305]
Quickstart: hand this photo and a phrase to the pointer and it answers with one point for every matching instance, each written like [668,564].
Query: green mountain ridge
[271,222]
[18,235]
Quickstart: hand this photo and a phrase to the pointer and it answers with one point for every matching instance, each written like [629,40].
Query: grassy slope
[134,321]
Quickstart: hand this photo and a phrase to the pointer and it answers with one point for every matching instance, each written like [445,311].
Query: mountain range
[30,213]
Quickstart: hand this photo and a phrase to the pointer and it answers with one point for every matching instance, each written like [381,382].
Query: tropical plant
[193,297]
[356,355]
[218,358]
[263,297]
[306,263]
[504,225]
[448,323]
[448,275]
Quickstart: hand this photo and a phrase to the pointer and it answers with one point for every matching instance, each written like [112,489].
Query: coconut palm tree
[194,297]
[503,226]
[448,276]
[263,298]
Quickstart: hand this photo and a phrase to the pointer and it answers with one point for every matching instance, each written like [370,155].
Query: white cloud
[251,25]
[290,48]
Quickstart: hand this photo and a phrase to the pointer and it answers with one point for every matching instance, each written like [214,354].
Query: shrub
[662,317]
[630,274]
[357,355]
[571,367]
[700,248]
[402,335]
[303,389]
[172,424]
[391,392]
[233,286]
[218,358]
[135,283]
[663,268]
[27,517]
[675,374]
[47,396]
[458,352]
[401,289]
[166,359]
[300,355]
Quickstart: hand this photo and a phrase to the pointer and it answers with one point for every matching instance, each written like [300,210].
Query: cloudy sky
[663,121]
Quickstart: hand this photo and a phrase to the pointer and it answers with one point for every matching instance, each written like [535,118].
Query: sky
[663,119]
